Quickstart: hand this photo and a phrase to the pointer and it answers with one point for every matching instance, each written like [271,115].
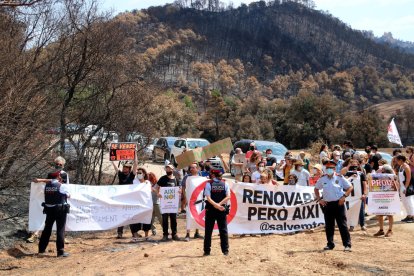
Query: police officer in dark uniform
[335,189]
[217,193]
[56,209]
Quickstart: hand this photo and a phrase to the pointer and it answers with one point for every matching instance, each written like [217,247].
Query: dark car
[162,149]
[278,149]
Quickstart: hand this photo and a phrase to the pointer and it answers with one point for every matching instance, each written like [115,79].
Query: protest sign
[170,198]
[122,151]
[353,201]
[200,154]
[258,208]
[96,207]
[383,195]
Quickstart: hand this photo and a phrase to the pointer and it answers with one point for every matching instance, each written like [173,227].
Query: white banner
[258,208]
[353,201]
[393,135]
[95,208]
[383,197]
[170,199]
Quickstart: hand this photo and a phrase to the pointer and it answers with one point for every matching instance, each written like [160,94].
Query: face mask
[269,155]
[58,167]
[299,169]
[169,173]
[140,176]
[261,169]
[292,182]
[251,148]
[314,171]
[330,171]
[353,168]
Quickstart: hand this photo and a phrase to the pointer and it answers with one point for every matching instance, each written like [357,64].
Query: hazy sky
[396,16]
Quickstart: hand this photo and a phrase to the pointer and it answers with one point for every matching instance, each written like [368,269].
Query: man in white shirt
[302,174]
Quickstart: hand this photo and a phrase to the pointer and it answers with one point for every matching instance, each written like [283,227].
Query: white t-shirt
[303,177]
[322,155]
[256,177]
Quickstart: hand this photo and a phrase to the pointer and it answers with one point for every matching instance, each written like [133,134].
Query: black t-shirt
[126,179]
[270,161]
[362,176]
[165,181]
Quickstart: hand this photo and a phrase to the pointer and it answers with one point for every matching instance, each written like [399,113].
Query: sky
[379,16]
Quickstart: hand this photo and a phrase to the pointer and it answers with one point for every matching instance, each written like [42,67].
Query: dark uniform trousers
[213,215]
[59,215]
[333,211]
[173,222]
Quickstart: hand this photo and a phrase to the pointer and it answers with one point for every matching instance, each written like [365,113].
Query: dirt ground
[100,253]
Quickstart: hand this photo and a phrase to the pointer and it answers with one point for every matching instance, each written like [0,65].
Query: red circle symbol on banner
[199,216]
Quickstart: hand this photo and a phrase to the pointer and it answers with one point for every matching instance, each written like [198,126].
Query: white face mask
[299,169]
[261,169]
[140,176]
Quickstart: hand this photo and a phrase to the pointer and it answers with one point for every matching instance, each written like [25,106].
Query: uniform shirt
[63,190]
[207,189]
[333,188]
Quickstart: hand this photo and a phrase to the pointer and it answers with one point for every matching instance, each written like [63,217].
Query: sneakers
[32,238]
[187,238]
[175,237]
[328,248]
[379,233]
[164,238]
[364,228]
[389,233]
[405,219]
[226,253]
[347,249]
[410,220]
[351,229]
[63,255]
[198,236]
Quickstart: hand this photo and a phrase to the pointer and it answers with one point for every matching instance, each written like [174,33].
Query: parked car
[105,137]
[278,149]
[150,148]
[184,144]
[162,149]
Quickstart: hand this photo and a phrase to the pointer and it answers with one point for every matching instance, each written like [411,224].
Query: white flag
[393,135]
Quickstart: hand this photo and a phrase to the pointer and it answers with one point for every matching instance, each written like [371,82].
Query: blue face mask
[330,171]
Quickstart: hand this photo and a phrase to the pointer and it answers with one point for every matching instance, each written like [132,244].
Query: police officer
[335,189]
[217,193]
[55,208]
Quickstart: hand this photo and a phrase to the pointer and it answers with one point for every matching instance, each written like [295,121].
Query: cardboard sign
[170,200]
[200,154]
[122,151]
[383,195]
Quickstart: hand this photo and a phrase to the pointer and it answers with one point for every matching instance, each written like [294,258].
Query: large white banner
[96,207]
[383,197]
[258,208]
[353,201]
[170,199]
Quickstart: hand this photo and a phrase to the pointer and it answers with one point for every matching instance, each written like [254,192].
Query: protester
[394,164]
[332,204]
[193,170]
[354,175]
[264,179]
[205,172]
[58,164]
[260,167]
[169,180]
[410,152]
[348,150]
[301,174]
[375,157]
[316,174]
[270,177]
[125,176]
[386,169]
[156,212]
[239,162]
[252,162]
[323,153]
[271,161]
[404,176]
[217,193]
[56,210]
[141,179]
[246,178]
[287,167]
[306,161]
[336,156]
[252,148]
[292,179]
